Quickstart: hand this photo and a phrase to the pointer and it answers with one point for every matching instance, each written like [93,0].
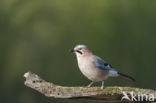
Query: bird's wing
[101,63]
[105,66]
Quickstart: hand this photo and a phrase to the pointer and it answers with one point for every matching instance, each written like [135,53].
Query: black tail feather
[126,76]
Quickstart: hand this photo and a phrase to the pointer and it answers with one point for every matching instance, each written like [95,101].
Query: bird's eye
[80,49]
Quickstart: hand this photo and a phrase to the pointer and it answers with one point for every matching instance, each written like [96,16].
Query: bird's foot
[88,86]
[102,87]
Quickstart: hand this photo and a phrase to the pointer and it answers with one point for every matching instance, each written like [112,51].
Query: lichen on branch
[94,93]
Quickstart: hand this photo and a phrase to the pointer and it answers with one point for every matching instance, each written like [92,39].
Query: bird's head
[81,50]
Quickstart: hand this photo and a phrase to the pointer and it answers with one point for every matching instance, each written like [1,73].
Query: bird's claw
[102,87]
[87,86]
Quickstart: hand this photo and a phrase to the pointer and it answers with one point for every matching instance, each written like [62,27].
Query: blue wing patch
[112,72]
[103,66]
[100,65]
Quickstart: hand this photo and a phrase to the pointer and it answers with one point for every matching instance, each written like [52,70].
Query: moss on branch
[94,93]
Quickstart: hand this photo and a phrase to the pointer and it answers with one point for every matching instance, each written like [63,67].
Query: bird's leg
[88,86]
[102,86]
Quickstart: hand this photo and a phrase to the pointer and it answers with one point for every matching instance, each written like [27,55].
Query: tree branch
[94,93]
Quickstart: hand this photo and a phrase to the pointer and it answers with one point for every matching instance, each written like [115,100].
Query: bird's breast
[88,69]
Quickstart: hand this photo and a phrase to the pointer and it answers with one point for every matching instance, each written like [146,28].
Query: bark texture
[109,94]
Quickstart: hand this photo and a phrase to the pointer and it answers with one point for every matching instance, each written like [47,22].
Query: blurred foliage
[36,35]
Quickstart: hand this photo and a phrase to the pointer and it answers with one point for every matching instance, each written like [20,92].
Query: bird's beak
[79,52]
[72,50]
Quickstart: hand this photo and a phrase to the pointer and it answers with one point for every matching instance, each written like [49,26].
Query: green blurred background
[36,35]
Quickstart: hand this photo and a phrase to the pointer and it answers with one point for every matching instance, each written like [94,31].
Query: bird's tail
[126,76]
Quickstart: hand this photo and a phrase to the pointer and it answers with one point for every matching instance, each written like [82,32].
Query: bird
[95,68]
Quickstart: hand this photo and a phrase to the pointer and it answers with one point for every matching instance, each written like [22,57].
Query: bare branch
[93,93]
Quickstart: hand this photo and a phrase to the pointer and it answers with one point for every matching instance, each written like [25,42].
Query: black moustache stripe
[79,51]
